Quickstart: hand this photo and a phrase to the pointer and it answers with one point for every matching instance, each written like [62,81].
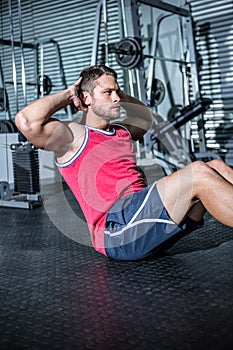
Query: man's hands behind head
[74,98]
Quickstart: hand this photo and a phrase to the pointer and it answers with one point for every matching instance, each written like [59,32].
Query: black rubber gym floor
[56,293]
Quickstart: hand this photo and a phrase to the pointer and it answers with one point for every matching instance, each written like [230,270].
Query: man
[127,220]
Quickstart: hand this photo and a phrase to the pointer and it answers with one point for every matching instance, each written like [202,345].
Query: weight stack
[25,168]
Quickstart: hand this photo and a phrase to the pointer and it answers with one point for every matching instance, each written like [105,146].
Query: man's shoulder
[74,124]
[76,128]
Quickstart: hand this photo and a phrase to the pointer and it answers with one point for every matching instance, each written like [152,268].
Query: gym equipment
[157,92]
[24,155]
[22,54]
[44,85]
[131,28]
[26,168]
[7,126]
[95,45]
[42,82]
[19,200]
[13,55]
[165,142]
[3,100]
[105,15]
[129,54]
[5,191]
[26,192]
[183,116]
[167,7]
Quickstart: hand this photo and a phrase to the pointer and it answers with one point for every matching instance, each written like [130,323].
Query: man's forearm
[36,123]
[136,109]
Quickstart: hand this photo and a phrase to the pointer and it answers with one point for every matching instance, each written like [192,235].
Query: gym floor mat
[56,293]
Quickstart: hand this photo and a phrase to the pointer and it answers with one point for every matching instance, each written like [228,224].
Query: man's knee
[199,165]
[201,170]
[217,164]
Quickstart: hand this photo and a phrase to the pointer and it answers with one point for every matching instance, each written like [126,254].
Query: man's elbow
[22,123]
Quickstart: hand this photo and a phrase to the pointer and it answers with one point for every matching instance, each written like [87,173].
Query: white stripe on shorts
[133,223]
[130,225]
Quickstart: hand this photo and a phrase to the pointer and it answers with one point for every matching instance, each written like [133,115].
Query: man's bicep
[52,135]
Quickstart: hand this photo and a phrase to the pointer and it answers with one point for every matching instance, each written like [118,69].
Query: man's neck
[97,122]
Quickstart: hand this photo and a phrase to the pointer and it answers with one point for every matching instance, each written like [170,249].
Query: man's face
[105,99]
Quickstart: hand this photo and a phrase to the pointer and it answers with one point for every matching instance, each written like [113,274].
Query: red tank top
[103,170]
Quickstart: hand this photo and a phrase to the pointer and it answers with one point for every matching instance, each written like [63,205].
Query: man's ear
[85,97]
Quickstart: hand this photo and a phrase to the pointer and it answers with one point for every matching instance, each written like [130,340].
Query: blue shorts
[138,226]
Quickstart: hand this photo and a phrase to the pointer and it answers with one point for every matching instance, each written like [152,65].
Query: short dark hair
[92,73]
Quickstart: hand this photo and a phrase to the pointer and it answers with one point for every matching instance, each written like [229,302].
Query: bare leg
[197,212]
[195,187]
[222,169]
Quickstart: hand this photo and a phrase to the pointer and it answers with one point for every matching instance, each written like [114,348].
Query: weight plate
[157,92]
[129,53]
[47,85]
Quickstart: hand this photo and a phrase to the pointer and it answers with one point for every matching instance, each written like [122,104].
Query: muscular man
[127,220]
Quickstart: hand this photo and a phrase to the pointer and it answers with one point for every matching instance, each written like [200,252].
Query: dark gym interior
[56,291]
